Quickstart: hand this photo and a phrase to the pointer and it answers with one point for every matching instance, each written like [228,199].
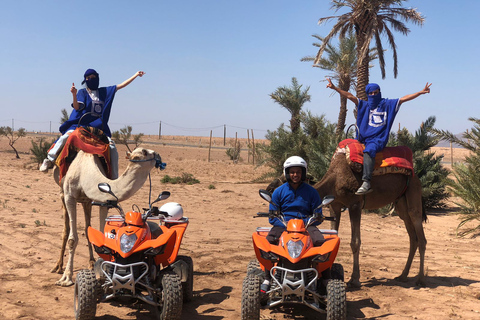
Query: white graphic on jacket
[377,118]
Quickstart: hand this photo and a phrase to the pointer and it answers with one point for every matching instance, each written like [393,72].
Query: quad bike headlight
[294,248]
[127,242]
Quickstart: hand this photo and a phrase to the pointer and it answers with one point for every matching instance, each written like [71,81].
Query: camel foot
[57,269]
[353,283]
[65,281]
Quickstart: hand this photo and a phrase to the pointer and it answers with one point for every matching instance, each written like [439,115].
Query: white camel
[80,184]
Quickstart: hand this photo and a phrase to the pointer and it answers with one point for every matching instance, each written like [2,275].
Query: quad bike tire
[336,300]
[85,295]
[337,272]
[252,265]
[171,296]
[251,297]
[187,286]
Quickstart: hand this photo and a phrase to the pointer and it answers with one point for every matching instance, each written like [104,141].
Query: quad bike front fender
[261,243]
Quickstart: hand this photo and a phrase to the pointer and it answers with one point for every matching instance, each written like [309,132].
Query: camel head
[141,155]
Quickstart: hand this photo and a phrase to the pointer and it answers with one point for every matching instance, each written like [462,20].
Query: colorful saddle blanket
[389,160]
[89,140]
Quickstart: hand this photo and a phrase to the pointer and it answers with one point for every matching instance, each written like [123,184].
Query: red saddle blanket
[389,160]
[89,140]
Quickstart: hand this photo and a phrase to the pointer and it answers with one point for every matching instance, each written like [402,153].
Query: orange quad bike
[296,269]
[138,260]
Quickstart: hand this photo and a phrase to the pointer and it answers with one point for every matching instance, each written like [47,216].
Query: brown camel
[402,190]
[80,184]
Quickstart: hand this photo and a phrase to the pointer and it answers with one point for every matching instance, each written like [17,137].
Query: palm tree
[292,98]
[370,19]
[65,116]
[343,62]
[466,182]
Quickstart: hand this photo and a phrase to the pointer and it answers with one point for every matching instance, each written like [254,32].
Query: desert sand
[221,209]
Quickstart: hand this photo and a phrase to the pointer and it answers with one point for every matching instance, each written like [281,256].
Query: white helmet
[295,161]
[173,209]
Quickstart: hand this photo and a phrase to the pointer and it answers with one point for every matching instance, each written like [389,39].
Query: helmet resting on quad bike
[174,210]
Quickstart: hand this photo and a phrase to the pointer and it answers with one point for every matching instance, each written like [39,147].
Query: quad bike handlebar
[151,211]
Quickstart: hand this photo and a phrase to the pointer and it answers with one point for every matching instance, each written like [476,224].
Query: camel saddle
[88,139]
[389,160]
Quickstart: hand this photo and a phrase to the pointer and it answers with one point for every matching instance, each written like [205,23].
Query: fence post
[451,153]
[253,148]
[160,130]
[224,135]
[235,148]
[210,146]
[248,146]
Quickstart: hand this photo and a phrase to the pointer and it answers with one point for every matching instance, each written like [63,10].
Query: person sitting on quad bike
[297,200]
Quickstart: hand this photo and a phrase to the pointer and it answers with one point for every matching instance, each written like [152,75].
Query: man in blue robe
[375,118]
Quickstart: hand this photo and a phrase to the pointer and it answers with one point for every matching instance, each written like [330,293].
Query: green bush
[234,152]
[466,184]
[39,150]
[185,178]
[428,167]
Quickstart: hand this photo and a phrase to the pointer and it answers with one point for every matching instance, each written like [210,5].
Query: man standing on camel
[375,118]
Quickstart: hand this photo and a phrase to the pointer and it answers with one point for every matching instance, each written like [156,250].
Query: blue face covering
[93,83]
[373,101]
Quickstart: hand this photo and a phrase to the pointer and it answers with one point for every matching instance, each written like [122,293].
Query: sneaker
[265,286]
[364,189]
[47,164]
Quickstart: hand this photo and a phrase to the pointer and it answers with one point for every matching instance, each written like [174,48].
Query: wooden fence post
[248,146]
[210,146]
[451,153]
[235,148]
[253,148]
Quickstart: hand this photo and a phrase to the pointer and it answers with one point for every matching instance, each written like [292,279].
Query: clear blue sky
[210,63]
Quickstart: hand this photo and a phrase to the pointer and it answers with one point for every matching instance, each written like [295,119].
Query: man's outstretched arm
[412,96]
[343,93]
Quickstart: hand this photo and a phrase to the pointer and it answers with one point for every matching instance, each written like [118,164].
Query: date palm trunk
[343,84]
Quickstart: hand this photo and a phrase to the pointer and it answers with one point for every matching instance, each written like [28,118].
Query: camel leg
[337,210]
[402,209]
[422,247]
[103,211]
[355,212]
[67,278]
[416,215]
[66,230]
[410,210]
[87,209]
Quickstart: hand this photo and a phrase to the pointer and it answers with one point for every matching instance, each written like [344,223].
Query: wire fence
[149,128]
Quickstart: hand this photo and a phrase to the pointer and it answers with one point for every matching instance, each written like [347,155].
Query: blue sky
[213,63]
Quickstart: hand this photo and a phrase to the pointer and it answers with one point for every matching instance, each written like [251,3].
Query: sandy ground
[221,209]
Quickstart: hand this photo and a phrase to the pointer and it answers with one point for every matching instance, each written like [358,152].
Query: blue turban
[372,87]
[87,73]
[373,101]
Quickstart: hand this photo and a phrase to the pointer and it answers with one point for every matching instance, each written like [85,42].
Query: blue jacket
[295,204]
[374,125]
[101,108]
